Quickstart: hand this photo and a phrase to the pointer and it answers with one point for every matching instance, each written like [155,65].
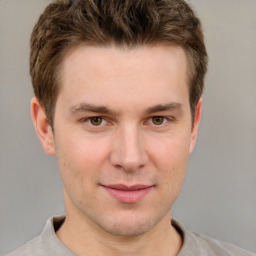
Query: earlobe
[194,130]
[42,127]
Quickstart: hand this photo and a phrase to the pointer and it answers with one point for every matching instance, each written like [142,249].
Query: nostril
[129,165]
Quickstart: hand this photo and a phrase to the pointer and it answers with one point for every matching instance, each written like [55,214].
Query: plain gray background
[219,194]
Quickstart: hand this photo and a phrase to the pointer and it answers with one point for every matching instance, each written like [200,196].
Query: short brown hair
[69,23]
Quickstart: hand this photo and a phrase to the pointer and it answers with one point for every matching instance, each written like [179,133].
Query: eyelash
[164,120]
[90,119]
[149,121]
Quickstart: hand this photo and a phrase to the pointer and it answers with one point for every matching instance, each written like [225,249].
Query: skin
[142,134]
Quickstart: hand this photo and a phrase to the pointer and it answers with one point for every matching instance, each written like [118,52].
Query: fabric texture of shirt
[47,244]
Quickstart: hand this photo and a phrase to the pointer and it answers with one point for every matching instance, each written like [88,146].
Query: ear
[42,127]
[196,125]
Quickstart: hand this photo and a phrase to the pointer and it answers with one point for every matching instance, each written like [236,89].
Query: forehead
[95,57]
[142,74]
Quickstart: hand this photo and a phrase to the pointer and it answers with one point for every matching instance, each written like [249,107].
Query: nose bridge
[128,148]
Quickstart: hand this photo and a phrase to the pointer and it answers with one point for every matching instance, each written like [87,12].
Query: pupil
[96,120]
[158,120]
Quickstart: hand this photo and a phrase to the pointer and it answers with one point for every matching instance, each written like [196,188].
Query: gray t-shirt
[47,244]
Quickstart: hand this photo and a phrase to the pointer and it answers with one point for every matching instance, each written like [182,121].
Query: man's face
[122,135]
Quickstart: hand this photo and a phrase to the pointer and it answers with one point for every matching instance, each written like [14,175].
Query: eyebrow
[86,107]
[173,106]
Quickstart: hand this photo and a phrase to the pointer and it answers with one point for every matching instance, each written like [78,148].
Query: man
[118,88]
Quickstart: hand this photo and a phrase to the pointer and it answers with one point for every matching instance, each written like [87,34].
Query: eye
[158,120]
[96,124]
[96,121]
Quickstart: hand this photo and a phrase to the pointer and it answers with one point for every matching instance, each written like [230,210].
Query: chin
[127,229]
[129,226]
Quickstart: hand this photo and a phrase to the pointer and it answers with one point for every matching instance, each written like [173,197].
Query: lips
[128,194]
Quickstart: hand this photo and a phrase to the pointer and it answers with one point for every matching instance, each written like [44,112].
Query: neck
[82,239]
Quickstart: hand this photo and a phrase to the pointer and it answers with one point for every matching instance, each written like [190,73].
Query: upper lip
[127,188]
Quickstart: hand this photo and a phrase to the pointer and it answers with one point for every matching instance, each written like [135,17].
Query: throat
[165,241]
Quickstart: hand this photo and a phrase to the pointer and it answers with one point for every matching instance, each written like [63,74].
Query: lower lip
[124,196]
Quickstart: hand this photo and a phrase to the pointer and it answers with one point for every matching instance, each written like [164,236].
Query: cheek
[170,160]
[79,150]
[80,159]
[80,164]
[171,153]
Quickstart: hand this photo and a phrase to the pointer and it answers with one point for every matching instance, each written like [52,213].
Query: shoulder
[212,247]
[201,245]
[30,248]
[46,244]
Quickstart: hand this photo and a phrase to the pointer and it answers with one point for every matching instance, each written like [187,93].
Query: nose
[128,150]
